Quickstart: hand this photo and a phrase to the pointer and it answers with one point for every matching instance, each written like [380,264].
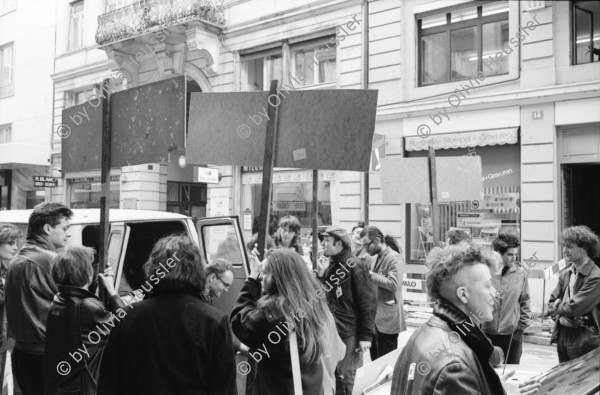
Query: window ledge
[324,85]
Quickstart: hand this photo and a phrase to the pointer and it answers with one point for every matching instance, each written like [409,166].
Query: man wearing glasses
[219,277]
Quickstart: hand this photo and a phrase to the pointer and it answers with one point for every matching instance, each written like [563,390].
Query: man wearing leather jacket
[30,289]
[450,354]
[351,298]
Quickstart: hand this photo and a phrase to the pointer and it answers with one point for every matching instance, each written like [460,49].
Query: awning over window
[463,140]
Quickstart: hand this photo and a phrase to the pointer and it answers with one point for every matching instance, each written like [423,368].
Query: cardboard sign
[321,129]
[406,180]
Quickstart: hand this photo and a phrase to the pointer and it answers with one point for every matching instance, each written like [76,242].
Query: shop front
[85,192]
[291,195]
[497,210]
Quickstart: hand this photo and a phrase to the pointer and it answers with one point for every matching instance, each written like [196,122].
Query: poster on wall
[219,202]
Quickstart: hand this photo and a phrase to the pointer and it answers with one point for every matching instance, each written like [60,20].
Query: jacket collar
[469,331]
[585,270]
[67,290]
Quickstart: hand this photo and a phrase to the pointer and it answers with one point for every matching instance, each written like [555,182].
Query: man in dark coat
[30,289]
[351,298]
[450,354]
[171,342]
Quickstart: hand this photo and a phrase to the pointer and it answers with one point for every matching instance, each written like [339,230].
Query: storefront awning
[463,140]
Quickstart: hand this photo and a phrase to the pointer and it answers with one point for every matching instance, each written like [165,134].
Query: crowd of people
[302,330]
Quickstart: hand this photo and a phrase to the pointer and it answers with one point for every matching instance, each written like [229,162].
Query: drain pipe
[365,85]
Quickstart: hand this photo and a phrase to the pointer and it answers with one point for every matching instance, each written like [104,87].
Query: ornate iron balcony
[142,16]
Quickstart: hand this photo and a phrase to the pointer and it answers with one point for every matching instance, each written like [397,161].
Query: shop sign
[290,205]
[504,201]
[45,182]
[252,169]
[477,220]
[130,203]
[463,140]
[89,180]
[412,283]
[207,175]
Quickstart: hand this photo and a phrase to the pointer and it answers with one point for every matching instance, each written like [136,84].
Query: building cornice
[287,16]
[85,70]
[582,90]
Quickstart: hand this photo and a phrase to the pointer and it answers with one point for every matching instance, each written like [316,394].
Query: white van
[133,233]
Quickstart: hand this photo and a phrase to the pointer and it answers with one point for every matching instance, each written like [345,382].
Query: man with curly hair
[575,302]
[511,306]
[450,354]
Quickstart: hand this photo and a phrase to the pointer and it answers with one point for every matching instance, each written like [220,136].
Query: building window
[73,98]
[112,5]
[586,31]
[311,62]
[6,70]
[260,68]
[7,6]
[86,192]
[498,211]
[76,26]
[187,199]
[291,195]
[453,45]
[5,134]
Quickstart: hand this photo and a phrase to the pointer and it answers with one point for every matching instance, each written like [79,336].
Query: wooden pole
[268,163]
[105,178]
[435,221]
[315,222]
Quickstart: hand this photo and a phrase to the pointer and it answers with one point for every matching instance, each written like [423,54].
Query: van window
[221,241]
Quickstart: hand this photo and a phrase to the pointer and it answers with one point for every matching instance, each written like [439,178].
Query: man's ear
[463,294]
[47,228]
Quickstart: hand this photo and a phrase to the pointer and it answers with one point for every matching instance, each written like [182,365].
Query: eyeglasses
[366,246]
[226,285]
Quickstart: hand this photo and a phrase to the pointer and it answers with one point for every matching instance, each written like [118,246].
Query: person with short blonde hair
[450,354]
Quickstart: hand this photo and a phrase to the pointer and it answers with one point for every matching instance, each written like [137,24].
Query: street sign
[45,182]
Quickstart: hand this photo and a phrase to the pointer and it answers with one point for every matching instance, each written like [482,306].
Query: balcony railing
[140,17]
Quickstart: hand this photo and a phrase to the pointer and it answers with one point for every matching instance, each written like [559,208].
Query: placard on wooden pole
[268,163]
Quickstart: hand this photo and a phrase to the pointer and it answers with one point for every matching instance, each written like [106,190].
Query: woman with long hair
[288,234]
[292,300]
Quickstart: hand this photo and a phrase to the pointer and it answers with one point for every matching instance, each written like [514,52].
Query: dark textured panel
[81,133]
[324,129]
[146,121]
